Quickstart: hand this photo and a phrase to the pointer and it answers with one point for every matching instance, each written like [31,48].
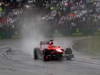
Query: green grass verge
[88,45]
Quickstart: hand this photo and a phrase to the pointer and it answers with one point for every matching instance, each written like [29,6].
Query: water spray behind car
[33,30]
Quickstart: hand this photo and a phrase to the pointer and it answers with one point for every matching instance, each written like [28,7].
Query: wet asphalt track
[20,63]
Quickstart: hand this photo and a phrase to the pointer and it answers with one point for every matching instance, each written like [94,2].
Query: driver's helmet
[50,42]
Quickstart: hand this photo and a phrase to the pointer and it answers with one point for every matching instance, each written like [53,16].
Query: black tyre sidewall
[68,58]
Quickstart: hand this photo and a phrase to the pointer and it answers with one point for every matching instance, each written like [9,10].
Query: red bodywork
[50,46]
[57,48]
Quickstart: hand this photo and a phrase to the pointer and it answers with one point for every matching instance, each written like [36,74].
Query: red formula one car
[47,51]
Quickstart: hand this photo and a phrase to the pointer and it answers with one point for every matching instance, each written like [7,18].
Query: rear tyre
[68,58]
[68,51]
[69,54]
[35,55]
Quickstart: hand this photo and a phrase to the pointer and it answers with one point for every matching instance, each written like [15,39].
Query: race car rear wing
[43,45]
[44,42]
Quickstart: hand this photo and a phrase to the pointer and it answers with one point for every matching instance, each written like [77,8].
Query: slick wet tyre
[68,58]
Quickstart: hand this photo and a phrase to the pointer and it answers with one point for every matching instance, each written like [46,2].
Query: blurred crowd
[68,17]
[9,15]
[75,17]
